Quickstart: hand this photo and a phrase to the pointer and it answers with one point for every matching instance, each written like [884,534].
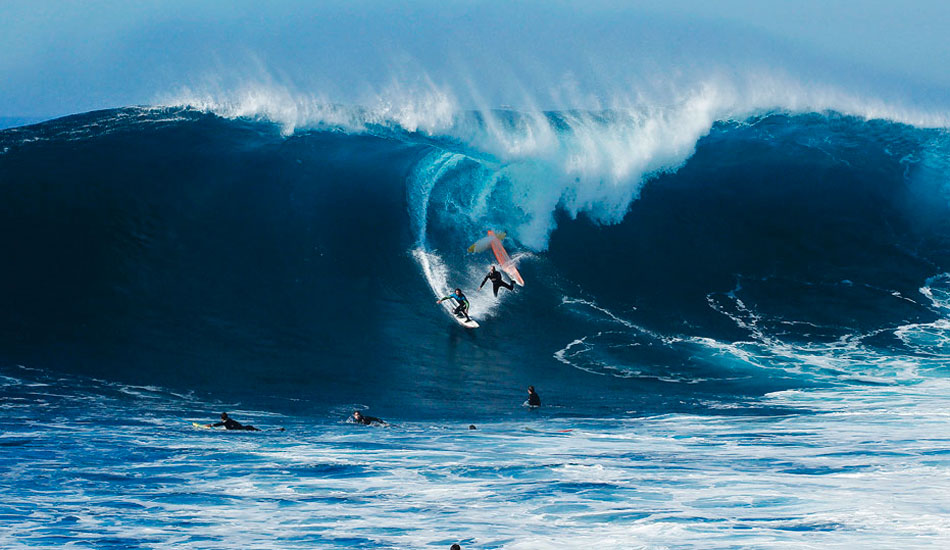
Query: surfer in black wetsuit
[232,424]
[366,420]
[460,299]
[496,281]
[534,400]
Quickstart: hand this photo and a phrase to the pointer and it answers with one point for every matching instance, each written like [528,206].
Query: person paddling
[366,420]
[231,424]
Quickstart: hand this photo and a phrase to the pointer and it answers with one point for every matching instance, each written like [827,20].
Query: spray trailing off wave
[726,254]
[592,160]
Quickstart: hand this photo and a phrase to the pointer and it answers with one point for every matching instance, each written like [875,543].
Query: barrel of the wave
[493,241]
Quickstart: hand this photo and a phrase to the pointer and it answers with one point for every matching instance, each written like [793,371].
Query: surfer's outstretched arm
[484,281]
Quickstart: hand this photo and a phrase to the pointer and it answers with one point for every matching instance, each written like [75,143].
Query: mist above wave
[562,107]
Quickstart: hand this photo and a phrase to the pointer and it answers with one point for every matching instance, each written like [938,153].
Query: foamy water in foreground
[100,465]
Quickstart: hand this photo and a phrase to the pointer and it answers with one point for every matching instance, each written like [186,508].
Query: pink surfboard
[504,260]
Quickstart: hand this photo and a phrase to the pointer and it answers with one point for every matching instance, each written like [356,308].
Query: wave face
[718,313]
[668,267]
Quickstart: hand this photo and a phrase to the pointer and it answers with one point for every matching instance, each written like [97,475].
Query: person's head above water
[224,416]
[455,547]
[492,268]
[530,389]
[357,415]
[458,290]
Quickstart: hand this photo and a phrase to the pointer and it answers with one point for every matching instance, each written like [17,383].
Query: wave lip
[593,161]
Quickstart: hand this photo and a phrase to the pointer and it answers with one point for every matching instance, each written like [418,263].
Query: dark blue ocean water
[739,342]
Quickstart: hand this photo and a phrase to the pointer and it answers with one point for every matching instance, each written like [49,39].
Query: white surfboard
[449,306]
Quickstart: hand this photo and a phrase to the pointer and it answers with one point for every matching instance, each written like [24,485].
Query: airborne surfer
[496,281]
[462,308]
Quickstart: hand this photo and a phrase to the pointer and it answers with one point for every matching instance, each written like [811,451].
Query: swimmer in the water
[534,400]
[366,420]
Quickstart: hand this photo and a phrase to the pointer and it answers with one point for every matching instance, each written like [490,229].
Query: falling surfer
[461,309]
[505,263]
[496,281]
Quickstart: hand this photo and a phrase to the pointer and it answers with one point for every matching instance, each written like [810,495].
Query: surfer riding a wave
[461,309]
[505,264]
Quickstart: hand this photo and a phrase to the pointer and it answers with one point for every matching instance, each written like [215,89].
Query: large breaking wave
[694,252]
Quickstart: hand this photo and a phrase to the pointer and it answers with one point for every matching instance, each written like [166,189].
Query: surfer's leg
[509,285]
[494,288]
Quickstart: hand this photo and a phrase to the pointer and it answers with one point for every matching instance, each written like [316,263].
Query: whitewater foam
[637,352]
[840,468]
[593,160]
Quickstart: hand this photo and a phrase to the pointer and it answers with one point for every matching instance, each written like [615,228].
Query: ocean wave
[593,161]
[782,250]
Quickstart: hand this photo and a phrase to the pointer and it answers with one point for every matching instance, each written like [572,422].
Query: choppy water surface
[99,465]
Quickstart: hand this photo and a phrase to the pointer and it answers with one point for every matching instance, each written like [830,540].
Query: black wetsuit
[232,424]
[496,282]
[462,307]
[534,400]
[367,420]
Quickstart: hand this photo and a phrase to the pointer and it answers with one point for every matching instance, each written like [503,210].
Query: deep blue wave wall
[179,248]
[811,215]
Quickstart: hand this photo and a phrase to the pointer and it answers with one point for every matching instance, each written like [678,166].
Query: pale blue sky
[60,57]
